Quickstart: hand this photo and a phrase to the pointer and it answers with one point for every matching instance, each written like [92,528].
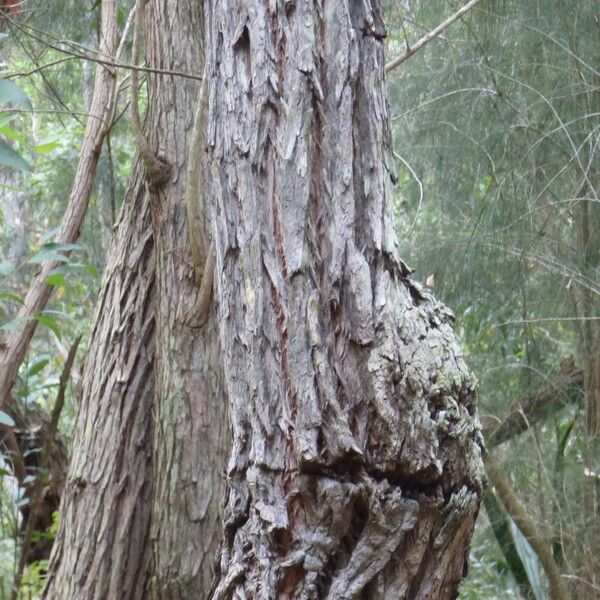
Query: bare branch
[410,50]
[565,388]
[107,60]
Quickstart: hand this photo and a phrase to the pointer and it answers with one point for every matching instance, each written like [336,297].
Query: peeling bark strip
[356,466]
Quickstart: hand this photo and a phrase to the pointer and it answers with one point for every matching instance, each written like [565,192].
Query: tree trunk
[355,468]
[192,436]
[102,547]
[142,511]
[14,211]
[589,333]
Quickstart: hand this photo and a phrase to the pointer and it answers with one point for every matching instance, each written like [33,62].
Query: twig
[410,50]
[100,58]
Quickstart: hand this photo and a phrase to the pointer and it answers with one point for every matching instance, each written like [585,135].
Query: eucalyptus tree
[255,273]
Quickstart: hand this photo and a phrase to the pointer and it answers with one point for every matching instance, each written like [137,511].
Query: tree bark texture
[355,469]
[142,512]
[102,549]
[192,431]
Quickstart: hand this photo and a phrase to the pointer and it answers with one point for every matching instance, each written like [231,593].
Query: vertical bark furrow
[356,464]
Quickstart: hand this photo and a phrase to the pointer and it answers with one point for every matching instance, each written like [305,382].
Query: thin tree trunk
[102,549]
[15,216]
[589,303]
[356,466]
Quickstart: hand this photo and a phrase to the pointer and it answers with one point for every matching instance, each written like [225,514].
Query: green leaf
[121,16]
[56,279]
[530,561]
[11,134]
[6,419]
[44,255]
[11,297]
[499,522]
[50,323]
[51,251]
[57,246]
[93,271]
[13,94]
[10,158]
[46,147]
[37,366]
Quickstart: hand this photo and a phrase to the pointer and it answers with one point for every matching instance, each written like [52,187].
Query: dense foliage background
[496,126]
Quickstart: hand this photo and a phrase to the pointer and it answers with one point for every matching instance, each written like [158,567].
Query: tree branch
[158,170]
[106,60]
[410,50]
[13,351]
[202,249]
[564,388]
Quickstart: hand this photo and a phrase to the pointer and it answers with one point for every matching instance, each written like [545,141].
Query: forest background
[496,126]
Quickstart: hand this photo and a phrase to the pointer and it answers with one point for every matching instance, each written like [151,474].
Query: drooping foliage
[496,129]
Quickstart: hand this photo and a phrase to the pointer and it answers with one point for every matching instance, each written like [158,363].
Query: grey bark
[355,468]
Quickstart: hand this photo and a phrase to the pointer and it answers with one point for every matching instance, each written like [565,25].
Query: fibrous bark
[142,510]
[356,467]
[102,548]
[192,434]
